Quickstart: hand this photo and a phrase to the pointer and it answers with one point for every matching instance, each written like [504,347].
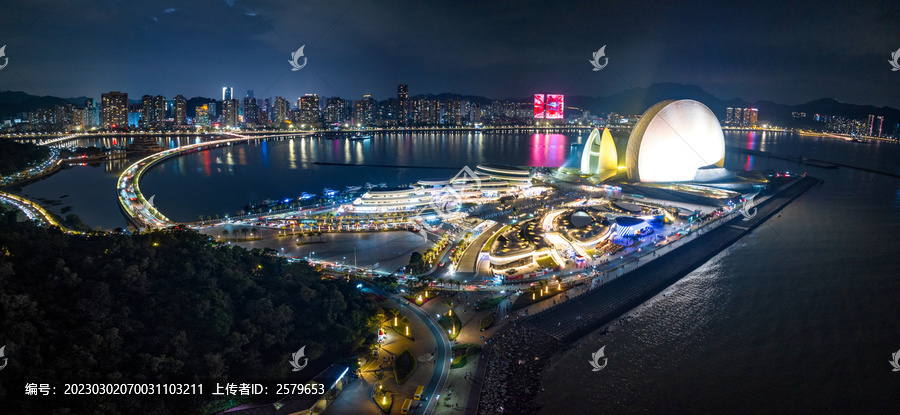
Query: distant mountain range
[637,100]
[628,102]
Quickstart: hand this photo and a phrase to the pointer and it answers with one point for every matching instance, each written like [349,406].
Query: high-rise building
[180,106]
[251,110]
[78,117]
[736,121]
[153,111]
[364,111]
[871,124]
[280,110]
[729,115]
[91,114]
[334,111]
[878,123]
[403,102]
[202,115]
[213,111]
[227,93]
[114,109]
[230,110]
[746,122]
[309,110]
[134,115]
[754,118]
[62,117]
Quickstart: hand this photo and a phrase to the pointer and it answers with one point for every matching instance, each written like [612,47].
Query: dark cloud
[784,51]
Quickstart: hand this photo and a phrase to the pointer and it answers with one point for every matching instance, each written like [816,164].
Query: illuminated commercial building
[549,106]
[202,115]
[391,200]
[114,109]
[488,182]
[599,153]
[673,141]
[227,93]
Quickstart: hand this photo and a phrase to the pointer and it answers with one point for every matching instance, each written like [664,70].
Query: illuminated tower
[114,109]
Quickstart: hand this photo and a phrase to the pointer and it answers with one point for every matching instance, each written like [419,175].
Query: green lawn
[486,322]
[487,245]
[547,262]
[404,366]
[451,324]
[488,303]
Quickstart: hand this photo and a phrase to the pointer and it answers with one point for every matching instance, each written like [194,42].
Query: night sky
[780,51]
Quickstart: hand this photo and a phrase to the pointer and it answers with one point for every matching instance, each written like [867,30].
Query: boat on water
[359,137]
[306,196]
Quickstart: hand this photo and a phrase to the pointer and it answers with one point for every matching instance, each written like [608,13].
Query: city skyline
[490,50]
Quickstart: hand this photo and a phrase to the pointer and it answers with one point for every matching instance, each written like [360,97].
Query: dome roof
[672,140]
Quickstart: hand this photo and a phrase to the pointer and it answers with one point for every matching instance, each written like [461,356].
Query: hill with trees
[160,307]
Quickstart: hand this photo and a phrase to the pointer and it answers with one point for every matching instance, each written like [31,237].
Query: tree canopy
[167,306]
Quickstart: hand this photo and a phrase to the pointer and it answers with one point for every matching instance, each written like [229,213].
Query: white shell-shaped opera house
[676,141]
[599,153]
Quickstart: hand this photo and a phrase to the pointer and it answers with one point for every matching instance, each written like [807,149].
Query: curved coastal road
[441,356]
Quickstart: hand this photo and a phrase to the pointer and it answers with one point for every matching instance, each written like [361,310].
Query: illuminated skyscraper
[153,111]
[878,123]
[729,115]
[279,110]
[180,105]
[335,111]
[227,93]
[364,111]
[114,109]
[230,113]
[403,102]
[91,114]
[754,117]
[309,110]
[736,121]
[251,110]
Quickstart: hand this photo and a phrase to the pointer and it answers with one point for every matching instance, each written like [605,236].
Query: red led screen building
[549,106]
[538,105]
[554,107]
